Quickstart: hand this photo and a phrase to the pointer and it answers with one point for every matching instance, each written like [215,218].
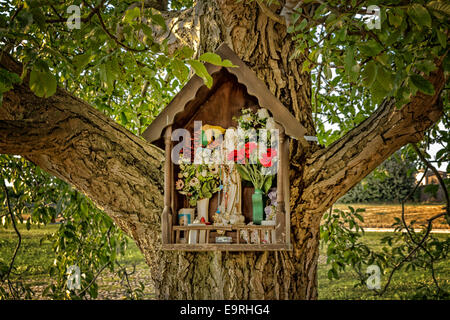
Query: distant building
[430,179]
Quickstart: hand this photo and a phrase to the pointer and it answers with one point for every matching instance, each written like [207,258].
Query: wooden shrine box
[233,89]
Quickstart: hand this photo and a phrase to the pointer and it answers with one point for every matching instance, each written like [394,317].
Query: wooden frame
[232,90]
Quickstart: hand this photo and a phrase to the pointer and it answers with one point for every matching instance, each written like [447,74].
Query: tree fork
[123,174]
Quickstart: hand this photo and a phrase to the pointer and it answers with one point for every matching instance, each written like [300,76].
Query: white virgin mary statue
[231,197]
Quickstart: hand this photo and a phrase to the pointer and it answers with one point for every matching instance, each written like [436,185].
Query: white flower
[270,124]
[263,114]
[214,169]
[247,118]
[194,182]
[204,173]
[203,156]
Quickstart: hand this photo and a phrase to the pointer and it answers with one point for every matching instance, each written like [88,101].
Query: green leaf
[180,70]
[215,59]
[267,184]
[184,53]
[442,38]
[370,48]
[42,82]
[123,118]
[302,25]
[425,65]
[378,92]
[328,72]
[107,76]
[395,20]
[131,14]
[81,61]
[349,63]
[385,79]
[7,79]
[200,70]
[243,173]
[441,9]
[369,74]
[159,20]
[420,15]
[422,84]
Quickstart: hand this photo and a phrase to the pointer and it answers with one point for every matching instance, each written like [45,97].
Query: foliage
[260,119]
[356,64]
[113,60]
[36,256]
[341,233]
[86,237]
[400,252]
[390,182]
[259,170]
[405,285]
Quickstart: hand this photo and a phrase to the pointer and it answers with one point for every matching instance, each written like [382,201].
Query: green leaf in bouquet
[243,173]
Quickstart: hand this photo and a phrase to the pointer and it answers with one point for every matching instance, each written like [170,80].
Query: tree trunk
[265,46]
[121,173]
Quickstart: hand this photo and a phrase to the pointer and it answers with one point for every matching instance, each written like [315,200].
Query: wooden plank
[246,76]
[177,239]
[286,192]
[281,176]
[167,214]
[226,247]
[205,227]
[226,228]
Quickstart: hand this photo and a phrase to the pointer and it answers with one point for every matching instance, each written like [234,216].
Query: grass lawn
[34,259]
[403,285]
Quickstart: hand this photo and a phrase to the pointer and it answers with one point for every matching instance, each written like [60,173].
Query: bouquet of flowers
[258,170]
[255,120]
[198,182]
[256,167]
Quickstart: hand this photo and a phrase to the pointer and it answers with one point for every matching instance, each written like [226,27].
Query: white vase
[202,212]
[203,209]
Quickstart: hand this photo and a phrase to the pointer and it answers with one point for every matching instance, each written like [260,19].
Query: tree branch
[19,242]
[438,176]
[332,171]
[65,136]
[270,13]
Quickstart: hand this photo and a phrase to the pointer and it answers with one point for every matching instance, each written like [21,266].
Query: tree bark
[122,174]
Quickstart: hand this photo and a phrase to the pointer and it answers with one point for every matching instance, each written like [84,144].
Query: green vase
[257,202]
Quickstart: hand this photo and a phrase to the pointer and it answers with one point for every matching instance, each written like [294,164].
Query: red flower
[266,161]
[240,156]
[249,148]
[232,156]
[271,152]
[237,156]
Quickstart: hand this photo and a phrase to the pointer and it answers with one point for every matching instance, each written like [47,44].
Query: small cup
[185,216]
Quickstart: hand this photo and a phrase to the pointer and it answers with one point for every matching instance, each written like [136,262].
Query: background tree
[389,182]
[128,59]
